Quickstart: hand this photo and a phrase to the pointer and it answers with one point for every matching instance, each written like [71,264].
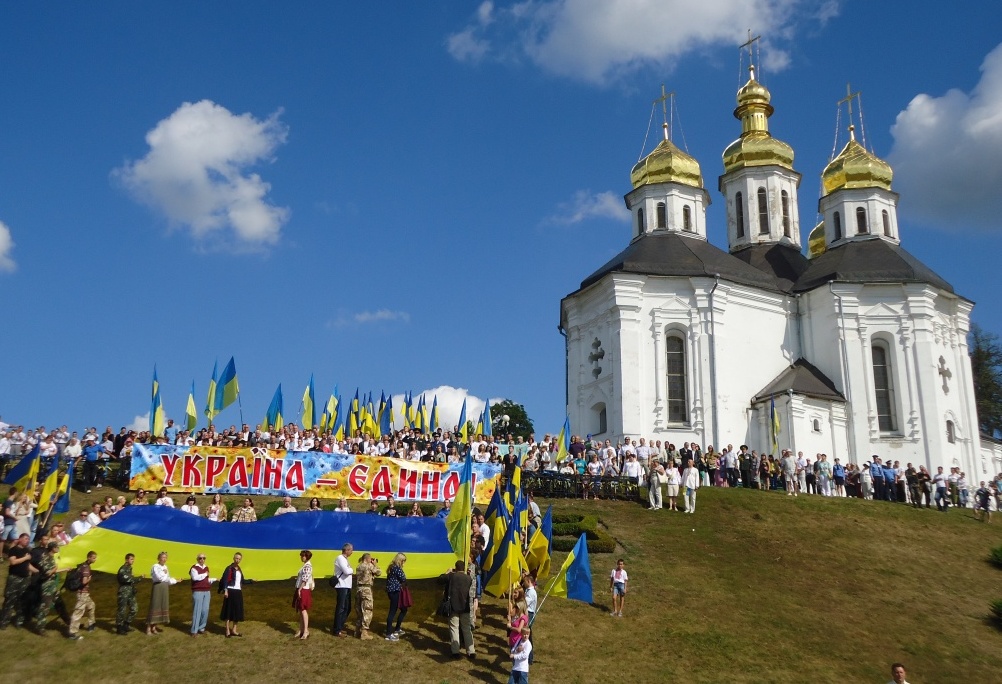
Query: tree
[519,423]
[986,369]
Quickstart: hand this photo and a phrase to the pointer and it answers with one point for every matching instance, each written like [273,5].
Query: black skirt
[233,606]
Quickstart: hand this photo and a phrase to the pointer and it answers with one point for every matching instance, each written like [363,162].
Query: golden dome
[755,147]
[816,245]
[667,164]
[854,167]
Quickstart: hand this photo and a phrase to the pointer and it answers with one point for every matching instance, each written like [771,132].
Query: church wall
[991,462]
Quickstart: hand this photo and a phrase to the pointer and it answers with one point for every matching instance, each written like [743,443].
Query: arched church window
[951,432]
[763,212]
[677,407]
[861,221]
[837,220]
[883,385]
[739,214]
[686,219]
[816,425]
[662,216]
[887,223]
[786,214]
[600,422]
[640,221]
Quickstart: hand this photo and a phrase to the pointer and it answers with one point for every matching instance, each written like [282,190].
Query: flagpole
[240,404]
[543,600]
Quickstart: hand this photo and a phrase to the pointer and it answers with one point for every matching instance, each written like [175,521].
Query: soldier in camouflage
[49,588]
[367,569]
[127,606]
[18,581]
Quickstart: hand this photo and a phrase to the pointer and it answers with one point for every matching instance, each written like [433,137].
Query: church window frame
[686,218]
[887,223]
[837,226]
[662,215]
[600,418]
[861,225]
[787,224]
[951,432]
[763,212]
[640,221]
[882,367]
[739,214]
[816,425]
[676,378]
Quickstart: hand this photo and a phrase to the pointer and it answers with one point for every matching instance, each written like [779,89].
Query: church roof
[670,254]
[804,378]
[784,263]
[867,261]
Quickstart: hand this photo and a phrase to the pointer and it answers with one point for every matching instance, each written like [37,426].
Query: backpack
[74,579]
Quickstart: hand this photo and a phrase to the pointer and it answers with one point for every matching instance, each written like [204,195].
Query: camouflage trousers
[127,606]
[364,606]
[13,600]
[48,600]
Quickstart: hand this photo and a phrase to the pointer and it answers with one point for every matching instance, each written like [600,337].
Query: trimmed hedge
[568,527]
[995,557]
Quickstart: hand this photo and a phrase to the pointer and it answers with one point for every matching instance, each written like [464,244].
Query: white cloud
[450,403]
[946,153]
[197,173]
[6,247]
[586,205]
[598,40]
[363,317]
[140,423]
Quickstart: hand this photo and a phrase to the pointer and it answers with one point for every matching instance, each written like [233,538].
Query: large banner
[276,472]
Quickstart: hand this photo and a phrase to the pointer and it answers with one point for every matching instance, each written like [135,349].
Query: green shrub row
[995,557]
[568,527]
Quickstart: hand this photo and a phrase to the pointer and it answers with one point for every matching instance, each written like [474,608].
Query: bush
[567,529]
[995,557]
[996,609]
[269,510]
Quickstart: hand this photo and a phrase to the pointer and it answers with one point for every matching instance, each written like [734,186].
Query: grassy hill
[755,587]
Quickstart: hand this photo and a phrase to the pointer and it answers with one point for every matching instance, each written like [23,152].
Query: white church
[860,347]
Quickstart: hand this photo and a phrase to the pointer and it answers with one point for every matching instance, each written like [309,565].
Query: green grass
[755,587]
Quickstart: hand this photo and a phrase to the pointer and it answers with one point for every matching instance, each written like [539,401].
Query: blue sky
[396,196]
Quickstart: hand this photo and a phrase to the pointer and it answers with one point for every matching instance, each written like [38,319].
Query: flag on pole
[211,409]
[339,420]
[227,387]
[309,407]
[329,412]
[564,441]
[156,383]
[507,565]
[65,486]
[273,419]
[774,423]
[190,411]
[573,581]
[50,488]
[541,547]
[433,418]
[156,410]
[496,518]
[23,475]
[386,418]
[457,523]
[464,431]
[488,428]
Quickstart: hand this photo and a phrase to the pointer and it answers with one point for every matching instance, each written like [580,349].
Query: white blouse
[160,573]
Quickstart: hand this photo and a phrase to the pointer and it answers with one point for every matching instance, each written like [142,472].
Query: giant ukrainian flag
[270,547]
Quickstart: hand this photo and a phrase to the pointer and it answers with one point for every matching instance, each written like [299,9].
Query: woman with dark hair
[315,504]
[302,599]
[245,513]
[216,511]
[231,585]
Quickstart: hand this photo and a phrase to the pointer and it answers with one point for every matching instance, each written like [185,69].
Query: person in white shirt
[163,499]
[631,468]
[898,674]
[521,656]
[485,530]
[342,576]
[79,526]
[618,581]
[690,483]
[286,506]
[159,613]
[94,517]
[190,506]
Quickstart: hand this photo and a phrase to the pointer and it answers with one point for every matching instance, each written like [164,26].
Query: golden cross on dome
[665,96]
[748,44]
[847,100]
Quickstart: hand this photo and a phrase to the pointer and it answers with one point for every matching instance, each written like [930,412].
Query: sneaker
[88,491]
[393,637]
[74,637]
[399,632]
[99,486]
[92,627]
[612,613]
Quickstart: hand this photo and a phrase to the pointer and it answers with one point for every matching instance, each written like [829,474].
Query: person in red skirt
[302,599]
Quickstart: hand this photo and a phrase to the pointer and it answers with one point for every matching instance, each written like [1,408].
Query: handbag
[444,606]
[406,600]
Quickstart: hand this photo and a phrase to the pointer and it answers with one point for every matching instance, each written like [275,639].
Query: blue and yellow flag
[457,523]
[65,487]
[156,383]
[309,407]
[227,387]
[386,418]
[339,420]
[329,412]
[464,431]
[774,423]
[157,414]
[541,547]
[507,565]
[211,408]
[488,428]
[50,488]
[573,581]
[190,411]
[270,547]
[23,475]
[496,518]
[564,441]
[433,418]
[273,419]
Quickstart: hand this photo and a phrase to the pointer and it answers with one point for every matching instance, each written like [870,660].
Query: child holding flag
[520,654]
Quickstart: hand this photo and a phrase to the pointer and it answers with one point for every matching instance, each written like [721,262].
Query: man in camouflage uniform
[367,569]
[127,606]
[18,580]
[49,587]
